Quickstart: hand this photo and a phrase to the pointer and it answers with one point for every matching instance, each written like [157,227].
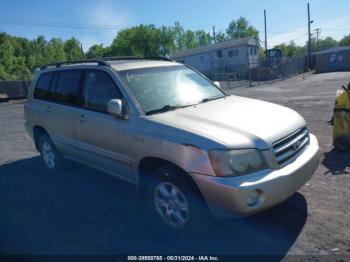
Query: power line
[10,21]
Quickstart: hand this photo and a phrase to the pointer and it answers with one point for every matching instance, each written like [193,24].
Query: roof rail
[99,62]
[104,61]
[159,58]
[115,58]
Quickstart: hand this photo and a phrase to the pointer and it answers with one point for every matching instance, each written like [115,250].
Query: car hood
[235,122]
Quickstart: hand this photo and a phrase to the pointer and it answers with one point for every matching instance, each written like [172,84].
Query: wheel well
[38,131]
[149,164]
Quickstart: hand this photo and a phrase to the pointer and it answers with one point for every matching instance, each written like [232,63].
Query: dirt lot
[81,211]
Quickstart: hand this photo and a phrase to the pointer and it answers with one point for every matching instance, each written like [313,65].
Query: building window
[333,58]
[251,50]
[219,54]
[230,53]
[202,58]
[255,51]
[340,58]
[235,52]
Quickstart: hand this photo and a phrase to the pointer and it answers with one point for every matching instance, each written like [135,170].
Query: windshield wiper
[165,108]
[211,99]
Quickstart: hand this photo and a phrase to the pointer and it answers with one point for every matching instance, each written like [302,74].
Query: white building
[224,57]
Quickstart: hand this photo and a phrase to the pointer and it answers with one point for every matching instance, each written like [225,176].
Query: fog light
[253,197]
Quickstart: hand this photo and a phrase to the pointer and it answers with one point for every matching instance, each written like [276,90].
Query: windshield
[168,87]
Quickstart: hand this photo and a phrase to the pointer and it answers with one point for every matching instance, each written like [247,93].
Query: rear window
[43,86]
[67,87]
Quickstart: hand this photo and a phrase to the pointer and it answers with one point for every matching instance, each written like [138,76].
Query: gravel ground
[82,211]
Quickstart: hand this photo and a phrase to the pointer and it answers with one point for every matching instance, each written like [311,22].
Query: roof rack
[59,64]
[115,58]
[104,61]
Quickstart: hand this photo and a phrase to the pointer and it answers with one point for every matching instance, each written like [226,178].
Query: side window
[67,87]
[42,87]
[99,88]
[219,54]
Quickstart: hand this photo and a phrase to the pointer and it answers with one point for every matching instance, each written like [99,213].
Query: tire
[49,154]
[175,203]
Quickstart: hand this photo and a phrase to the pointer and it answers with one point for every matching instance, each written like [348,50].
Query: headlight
[237,162]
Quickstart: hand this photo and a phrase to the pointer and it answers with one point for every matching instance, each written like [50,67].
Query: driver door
[103,137]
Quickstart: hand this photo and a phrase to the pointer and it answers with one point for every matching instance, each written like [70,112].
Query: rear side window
[43,86]
[67,87]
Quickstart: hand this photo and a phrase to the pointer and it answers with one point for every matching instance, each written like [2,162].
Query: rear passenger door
[104,137]
[63,110]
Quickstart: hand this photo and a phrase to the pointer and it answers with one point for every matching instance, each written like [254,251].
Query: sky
[98,21]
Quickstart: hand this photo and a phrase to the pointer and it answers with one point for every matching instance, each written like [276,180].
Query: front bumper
[228,196]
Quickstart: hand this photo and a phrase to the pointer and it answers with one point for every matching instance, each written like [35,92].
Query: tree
[54,51]
[291,49]
[142,40]
[345,41]
[191,39]
[167,41]
[96,51]
[72,48]
[220,37]
[6,59]
[261,53]
[179,35]
[241,28]
[328,42]
[202,38]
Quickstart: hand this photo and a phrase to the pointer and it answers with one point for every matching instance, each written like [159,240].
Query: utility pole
[214,35]
[318,32]
[309,22]
[265,33]
[82,50]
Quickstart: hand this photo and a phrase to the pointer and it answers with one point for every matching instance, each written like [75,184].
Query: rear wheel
[175,203]
[49,154]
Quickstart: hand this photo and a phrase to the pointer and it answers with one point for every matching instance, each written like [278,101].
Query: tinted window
[67,87]
[42,86]
[99,88]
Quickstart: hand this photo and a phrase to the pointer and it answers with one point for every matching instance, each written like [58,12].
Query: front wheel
[171,205]
[175,202]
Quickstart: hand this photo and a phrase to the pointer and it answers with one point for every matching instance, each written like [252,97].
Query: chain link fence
[13,89]
[262,71]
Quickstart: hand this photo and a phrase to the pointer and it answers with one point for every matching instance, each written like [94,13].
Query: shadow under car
[83,211]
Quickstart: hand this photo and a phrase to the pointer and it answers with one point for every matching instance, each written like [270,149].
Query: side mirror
[114,107]
[217,83]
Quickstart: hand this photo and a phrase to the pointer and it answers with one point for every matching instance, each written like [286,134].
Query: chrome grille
[288,148]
